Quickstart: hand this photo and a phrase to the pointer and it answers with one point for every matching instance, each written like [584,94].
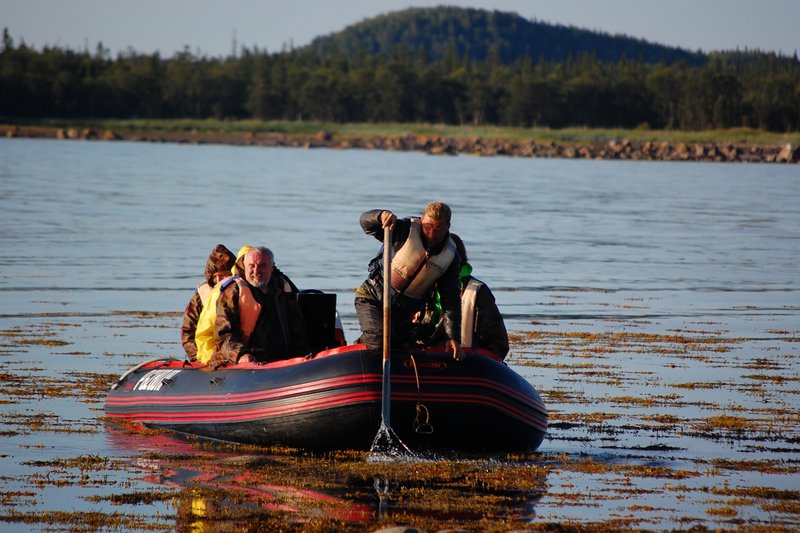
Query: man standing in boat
[258,318]
[424,259]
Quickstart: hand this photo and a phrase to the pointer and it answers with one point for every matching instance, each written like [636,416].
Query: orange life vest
[249,309]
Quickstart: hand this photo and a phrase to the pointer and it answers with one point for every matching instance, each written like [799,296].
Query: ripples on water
[693,239]
[593,247]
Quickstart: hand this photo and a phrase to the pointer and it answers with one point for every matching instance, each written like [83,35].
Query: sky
[211,27]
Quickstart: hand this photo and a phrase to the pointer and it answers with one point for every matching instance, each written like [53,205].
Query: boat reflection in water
[229,483]
[218,484]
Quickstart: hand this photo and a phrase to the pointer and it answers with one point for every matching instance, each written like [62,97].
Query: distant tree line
[730,90]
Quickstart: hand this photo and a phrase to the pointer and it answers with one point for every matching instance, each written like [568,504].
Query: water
[632,290]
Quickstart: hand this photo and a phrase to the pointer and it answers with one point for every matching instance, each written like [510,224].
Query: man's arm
[227,328]
[449,288]
[450,296]
[190,317]
[372,224]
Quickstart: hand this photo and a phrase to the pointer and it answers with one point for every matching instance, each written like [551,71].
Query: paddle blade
[387,446]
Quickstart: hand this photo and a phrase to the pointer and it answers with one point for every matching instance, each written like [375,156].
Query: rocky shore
[437,145]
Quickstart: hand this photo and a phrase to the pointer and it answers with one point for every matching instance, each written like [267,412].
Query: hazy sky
[208,26]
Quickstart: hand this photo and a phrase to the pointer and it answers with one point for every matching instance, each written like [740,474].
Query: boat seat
[319,309]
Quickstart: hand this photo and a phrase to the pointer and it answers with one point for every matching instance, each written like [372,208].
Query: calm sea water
[91,223]
[93,232]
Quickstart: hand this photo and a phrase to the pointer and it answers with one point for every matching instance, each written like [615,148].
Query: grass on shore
[351,131]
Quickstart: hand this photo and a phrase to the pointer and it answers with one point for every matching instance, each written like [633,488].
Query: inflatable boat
[333,401]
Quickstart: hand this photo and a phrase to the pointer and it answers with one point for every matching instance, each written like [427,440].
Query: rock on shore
[438,145]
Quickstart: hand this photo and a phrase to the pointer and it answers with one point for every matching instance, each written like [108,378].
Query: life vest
[413,270]
[249,309]
[204,290]
[469,299]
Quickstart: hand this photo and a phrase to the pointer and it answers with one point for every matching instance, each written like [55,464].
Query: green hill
[479,34]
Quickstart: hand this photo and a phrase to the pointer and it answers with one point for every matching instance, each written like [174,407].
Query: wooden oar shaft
[387,325]
[387,291]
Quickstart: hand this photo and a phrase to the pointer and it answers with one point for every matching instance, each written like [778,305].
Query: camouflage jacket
[280,332]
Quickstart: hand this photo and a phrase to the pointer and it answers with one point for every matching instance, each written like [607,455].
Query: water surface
[654,305]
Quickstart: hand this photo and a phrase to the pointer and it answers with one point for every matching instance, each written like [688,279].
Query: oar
[387,329]
[386,441]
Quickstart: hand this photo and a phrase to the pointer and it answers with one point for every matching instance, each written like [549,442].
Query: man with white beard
[258,318]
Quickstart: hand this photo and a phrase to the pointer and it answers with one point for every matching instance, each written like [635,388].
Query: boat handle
[139,366]
[420,426]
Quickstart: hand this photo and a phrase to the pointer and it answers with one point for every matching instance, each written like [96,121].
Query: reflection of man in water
[258,318]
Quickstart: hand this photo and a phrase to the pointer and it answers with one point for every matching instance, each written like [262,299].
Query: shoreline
[442,145]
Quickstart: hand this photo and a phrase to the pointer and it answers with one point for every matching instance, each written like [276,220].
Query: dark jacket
[221,259]
[490,329]
[280,332]
[404,307]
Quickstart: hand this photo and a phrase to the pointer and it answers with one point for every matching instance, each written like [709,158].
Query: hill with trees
[467,67]
[478,35]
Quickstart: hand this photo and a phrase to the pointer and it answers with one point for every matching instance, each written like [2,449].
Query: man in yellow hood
[258,316]
[204,334]
[218,267]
